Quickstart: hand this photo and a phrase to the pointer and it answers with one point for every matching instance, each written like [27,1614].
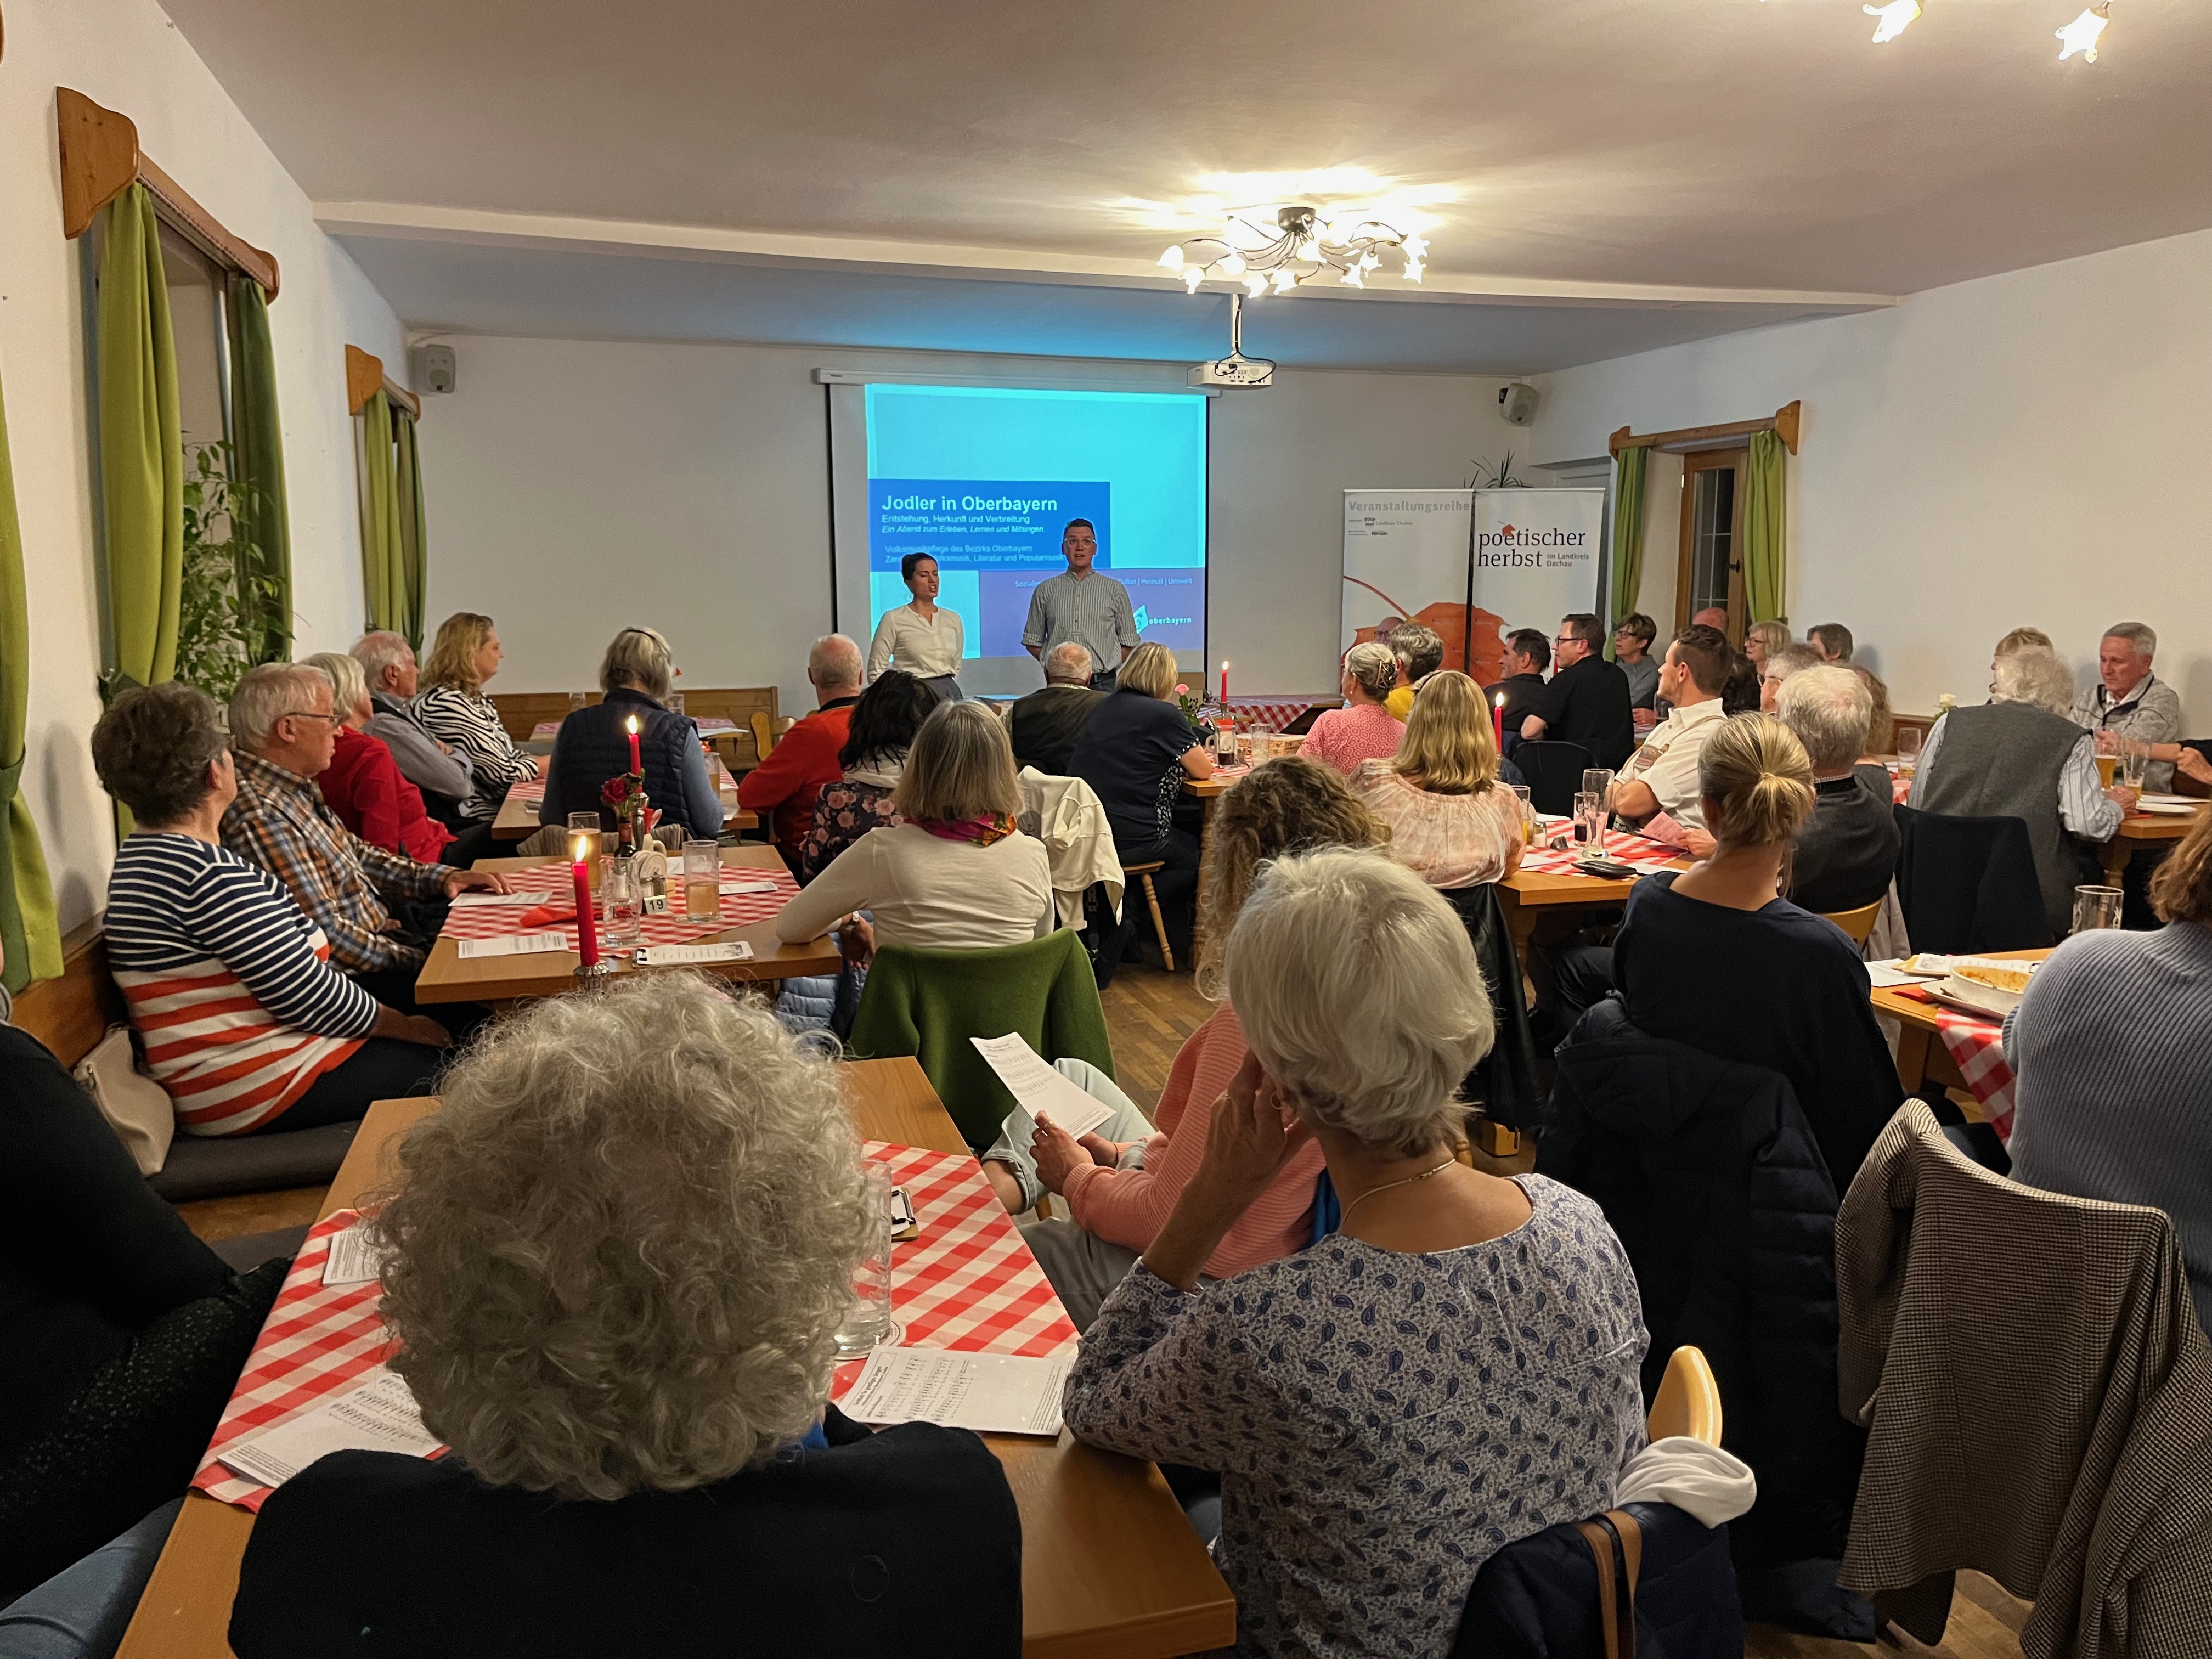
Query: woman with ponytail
[1716,958]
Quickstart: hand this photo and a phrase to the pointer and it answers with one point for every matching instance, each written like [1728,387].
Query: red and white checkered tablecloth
[709,725]
[1977,1048]
[318,1342]
[969,1283]
[557,882]
[1621,846]
[1276,713]
[533,790]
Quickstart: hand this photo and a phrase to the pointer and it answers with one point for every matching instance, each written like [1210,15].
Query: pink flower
[1183,690]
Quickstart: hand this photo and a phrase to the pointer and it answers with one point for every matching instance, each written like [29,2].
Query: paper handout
[511,944]
[1037,1087]
[749,887]
[352,1259]
[663,956]
[380,1415]
[478,901]
[989,1393]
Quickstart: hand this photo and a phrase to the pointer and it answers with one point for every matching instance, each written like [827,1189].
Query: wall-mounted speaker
[1518,403]
[433,367]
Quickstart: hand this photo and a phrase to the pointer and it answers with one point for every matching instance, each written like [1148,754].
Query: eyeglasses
[306,715]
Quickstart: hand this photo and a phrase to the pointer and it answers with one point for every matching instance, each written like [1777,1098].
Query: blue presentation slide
[984,480]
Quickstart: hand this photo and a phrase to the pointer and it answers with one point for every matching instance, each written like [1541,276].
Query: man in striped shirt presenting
[282,730]
[243,1020]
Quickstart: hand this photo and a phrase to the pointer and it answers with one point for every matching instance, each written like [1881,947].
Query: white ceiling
[1688,165]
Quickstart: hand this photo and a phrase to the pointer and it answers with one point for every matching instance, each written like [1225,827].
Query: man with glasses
[1084,606]
[378,909]
[1586,701]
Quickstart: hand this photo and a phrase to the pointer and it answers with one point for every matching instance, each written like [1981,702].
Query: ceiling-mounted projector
[1236,372]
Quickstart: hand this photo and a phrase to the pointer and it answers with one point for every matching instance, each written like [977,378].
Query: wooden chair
[765,733]
[1688,1402]
[1143,872]
[522,712]
[1859,923]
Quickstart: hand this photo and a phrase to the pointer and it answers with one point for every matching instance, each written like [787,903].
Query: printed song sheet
[989,1393]
[378,1416]
[1037,1087]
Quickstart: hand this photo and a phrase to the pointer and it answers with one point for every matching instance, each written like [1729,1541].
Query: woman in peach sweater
[1119,1193]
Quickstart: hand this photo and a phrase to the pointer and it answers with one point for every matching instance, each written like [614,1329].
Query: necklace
[1408,1180]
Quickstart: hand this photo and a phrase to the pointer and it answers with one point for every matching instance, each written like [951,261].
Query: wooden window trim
[1691,439]
[100,159]
[365,378]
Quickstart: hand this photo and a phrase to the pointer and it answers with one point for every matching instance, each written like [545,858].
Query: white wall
[125,55]
[573,487]
[2026,449]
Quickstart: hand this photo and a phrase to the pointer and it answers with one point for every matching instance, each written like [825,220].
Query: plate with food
[1992,989]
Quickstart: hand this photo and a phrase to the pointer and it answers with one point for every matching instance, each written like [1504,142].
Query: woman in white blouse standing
[922,638]
[1452,823]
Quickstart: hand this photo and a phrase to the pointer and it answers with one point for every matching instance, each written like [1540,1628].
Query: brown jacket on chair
[2039,1399]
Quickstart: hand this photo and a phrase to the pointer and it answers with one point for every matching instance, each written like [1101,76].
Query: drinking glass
[675,703]
[577,699]
[1598,780]
[1589,819]
[2134,757]
[702,879]
[869,1324]
[2107,769]
[1908,750]
[585,826]
[1528,825]
[2096,907]
[619,903]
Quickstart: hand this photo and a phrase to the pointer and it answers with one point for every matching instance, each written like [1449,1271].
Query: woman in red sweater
[364,785]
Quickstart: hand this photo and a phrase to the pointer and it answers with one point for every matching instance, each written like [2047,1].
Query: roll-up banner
[1474,564]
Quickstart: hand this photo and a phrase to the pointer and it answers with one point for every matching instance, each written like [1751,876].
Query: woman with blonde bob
[1452,823]
[955,874]
[637,674]
[452,707]
[1122,1181]
[1455,1369]
[1716,958]
[1364,729]
[617,1258]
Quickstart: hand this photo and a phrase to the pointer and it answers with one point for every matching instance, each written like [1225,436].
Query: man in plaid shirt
[282,730]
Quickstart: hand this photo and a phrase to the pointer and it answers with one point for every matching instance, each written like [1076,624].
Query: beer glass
[2096,907]
[869,1324]
[702,880]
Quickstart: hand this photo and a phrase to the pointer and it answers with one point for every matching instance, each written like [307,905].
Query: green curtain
[29,930]
[1764,574]
[382,566]
[1630,468]
[257,436]
[142,455]
[414,533]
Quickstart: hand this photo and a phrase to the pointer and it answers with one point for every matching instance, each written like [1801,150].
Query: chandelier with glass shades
[1304,243]
[1894,17]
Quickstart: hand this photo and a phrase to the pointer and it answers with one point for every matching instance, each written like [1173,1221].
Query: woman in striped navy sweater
[243,1019]
[454,709]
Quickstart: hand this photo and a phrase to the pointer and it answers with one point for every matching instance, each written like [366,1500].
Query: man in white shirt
[2130,701]
[1657,790]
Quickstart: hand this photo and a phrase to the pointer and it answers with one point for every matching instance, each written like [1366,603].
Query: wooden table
[2138,830]
[1110,1570]
[446,978]
[1922,1059]
[517,819]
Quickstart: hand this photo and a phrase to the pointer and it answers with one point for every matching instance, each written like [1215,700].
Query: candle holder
[594,973]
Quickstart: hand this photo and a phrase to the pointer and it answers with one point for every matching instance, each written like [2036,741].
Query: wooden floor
[1149,1013]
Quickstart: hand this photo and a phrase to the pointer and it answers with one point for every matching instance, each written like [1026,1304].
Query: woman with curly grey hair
[1475,1377]
[618,1257]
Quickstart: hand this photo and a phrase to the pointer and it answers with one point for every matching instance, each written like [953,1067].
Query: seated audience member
[1882,724]
[593,746]
[1135,751]
[1762,640]
[1528,654]
[1773,985]
[1631,652]
[1045,726]
[804,759]
[2018,639]
[1586,700]
[618,1262]
[2126,1119]
[1363,729]
[955,874]
[1832,640]
[1789,660]
[292,1043]
[1741,695]
[121,1336]
[432,767]
[1715,616]
[1658,789]
[2021,756]
[1361,998]
[1420,650]
[283,734]
[2130,701]
[364,785]
[1120,1183]
[453,708]
[884,721]
[1846,853]
[1452,823]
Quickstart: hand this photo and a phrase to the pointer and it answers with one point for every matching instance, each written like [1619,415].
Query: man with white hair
[388,661]
[1044,725]
[282,732]
[2130,701]
[1846,852]
[793,775]
[2021,756]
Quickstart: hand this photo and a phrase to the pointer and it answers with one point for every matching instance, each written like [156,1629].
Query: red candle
[587,931]
[635,764]
[1224,684]
[1499,716]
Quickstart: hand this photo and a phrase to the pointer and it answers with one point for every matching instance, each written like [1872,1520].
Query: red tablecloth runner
[1621,846]
[318,1342]
[1276,713]
[558,882]
[1977,1048]
[968,1282]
